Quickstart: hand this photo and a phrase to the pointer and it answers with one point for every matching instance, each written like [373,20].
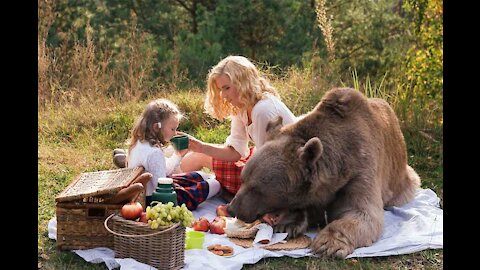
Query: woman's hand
[194,144]
[182,153]
[181,133]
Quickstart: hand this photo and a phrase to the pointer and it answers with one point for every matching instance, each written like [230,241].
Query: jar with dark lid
[164,192]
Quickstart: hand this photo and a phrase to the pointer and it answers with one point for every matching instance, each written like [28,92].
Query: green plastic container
[194,240]
[164,192]
[179,142]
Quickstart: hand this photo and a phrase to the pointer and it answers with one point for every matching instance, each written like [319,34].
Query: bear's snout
[230,211]
[241,211]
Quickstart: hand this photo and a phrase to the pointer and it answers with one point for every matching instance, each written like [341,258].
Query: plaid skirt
[228,172]
[190,187]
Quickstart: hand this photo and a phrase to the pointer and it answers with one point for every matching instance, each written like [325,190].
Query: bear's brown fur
[336,168]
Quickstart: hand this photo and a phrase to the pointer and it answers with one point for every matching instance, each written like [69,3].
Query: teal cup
[179,142]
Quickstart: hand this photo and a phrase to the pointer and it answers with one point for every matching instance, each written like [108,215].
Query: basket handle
[138,235]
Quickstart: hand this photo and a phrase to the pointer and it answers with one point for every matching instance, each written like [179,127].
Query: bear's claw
[331,244]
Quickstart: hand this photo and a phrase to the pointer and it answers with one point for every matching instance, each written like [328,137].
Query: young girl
[151,133]
[236,90]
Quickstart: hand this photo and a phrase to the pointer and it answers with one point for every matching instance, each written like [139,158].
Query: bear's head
[278,175]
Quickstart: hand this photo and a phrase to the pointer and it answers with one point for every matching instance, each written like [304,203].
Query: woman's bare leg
[194,161]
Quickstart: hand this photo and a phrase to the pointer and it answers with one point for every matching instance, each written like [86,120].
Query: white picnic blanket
[413,227]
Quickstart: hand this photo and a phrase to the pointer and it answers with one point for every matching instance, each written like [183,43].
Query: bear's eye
[255,192]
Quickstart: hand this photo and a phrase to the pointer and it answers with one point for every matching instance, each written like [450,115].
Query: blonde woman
[235,90]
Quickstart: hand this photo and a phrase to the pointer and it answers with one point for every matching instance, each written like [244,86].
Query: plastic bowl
[179,142]
[194,240]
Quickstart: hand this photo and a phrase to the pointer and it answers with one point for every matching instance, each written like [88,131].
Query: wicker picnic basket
[162,248]
[81,208]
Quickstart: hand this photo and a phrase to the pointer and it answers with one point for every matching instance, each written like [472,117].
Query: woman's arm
[223,152]
[235,146]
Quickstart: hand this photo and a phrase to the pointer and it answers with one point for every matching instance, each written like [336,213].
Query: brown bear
[336,168]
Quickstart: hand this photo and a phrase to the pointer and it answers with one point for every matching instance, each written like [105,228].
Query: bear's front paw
[332,243]
[294,230]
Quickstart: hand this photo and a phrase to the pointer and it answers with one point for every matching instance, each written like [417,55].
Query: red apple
[143,217]
[131,210]
[222,210]
[218,225]
[201,224]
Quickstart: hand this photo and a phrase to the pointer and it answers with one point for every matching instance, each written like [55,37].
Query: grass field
[79,136]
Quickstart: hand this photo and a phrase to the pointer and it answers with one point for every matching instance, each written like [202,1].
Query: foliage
[260,30]
[178,41]
[368,36]
[424,63]
[198,52]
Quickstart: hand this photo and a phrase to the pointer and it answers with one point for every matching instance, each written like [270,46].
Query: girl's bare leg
[194,161]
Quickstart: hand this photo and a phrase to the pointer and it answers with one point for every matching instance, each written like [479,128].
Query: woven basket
[162,248]
[81,209]
[95,187]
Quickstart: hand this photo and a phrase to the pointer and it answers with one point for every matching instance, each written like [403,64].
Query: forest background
[100,62]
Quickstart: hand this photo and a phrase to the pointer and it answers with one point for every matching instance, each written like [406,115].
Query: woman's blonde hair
[250,85]
[156,111]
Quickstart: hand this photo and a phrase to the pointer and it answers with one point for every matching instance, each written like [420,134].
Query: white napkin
[52,228]
[265,231]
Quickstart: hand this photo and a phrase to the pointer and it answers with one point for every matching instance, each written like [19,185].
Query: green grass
[75,138]
[429,259]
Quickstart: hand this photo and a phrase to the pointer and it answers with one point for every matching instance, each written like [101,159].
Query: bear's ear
[273,127]
[311,151]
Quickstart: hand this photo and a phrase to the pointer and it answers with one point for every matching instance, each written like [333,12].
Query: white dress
[154,161]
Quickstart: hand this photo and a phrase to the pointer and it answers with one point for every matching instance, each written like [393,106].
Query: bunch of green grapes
[166,214]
